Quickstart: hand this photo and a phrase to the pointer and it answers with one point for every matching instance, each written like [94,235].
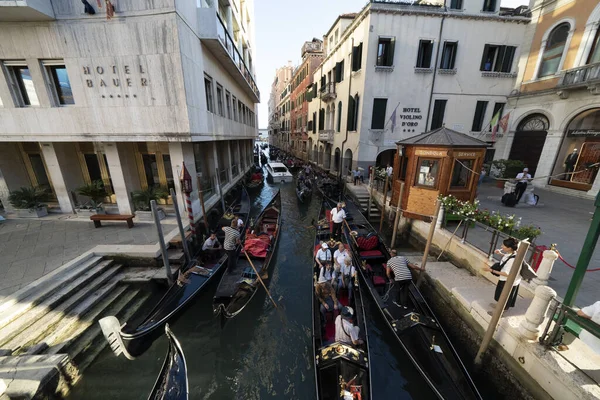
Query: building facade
[127,100]
[554,121]
[395,70]
[283,75]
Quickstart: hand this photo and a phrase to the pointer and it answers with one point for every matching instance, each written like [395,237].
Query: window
[339,71]
[424,55]
[241,112]
[385,52]
[323,83]
[489,5]
[461,174]
[22,86]
[339,119]
[479,115]
[314,123]
[208,88]
[594,56]
[456,4]
[310,126]
[228,103]
[554,50]
[449,55]
[60,84]
[378,117]
[498,109]
[428,172]
[497,58]
[235,110]
[439,109]
[352,119]
[321,119]
[220,108]
[357,57]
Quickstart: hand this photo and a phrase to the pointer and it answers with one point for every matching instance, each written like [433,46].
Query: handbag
[499,265]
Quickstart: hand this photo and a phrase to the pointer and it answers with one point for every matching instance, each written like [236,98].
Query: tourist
[355,175]
[326,297]
[399,267]
[211,243]
[345,275]
[329,273]
[522,179]
[360,175]
[232,239]
[591,312]
[345,330]
[323,255]
[240,223]
[389,172]
[482,175]
[337,216]
[340,255]
[502,270]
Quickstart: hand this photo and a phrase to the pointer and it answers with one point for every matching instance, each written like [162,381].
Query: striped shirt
[399,266]
[231,236]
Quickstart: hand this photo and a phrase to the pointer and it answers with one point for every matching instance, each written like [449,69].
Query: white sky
[282,26]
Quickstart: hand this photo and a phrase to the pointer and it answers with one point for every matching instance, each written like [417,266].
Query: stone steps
[176,256]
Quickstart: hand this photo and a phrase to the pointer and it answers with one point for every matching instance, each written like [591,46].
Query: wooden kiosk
[441,161]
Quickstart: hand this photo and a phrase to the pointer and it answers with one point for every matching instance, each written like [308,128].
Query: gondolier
[399,266]
[337,216]
[232,239]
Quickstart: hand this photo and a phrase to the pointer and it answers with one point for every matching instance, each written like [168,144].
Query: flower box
[456,217]
[32,213]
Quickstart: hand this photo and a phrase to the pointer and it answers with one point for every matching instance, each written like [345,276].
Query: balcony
[328,92]
[26,10]
[586,77]
[215,36]
[326,136]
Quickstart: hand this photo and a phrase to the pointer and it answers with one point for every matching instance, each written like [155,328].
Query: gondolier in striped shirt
[399,267]
[232,239]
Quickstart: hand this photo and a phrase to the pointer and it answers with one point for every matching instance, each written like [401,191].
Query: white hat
[526,169]
[324,245]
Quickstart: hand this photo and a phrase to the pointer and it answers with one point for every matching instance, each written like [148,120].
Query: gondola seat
[367,243]
[378,280]
[370,254]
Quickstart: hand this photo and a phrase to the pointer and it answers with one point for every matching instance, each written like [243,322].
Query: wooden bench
[111,217]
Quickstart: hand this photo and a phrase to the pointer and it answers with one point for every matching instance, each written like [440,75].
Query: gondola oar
[259,278]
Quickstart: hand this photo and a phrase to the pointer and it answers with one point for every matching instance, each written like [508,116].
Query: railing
[234,170]
[581,75]
[328,92]
[208,187]
[224,176]
[326,135]
[235,55]
[564,318]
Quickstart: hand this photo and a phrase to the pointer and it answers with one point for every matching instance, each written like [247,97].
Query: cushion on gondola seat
[371,254]
[378,280]
[367,243]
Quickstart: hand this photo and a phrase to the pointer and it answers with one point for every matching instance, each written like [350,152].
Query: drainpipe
[435,66]
[346,139]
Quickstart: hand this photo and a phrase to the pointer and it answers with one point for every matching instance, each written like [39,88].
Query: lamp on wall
[400,150]
[186,180]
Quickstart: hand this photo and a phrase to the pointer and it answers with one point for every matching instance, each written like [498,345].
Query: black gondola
[329,187]
[134,340]
[237,287]
[256,180]
[415,326]
[342,370]
[172,382]
[304,188]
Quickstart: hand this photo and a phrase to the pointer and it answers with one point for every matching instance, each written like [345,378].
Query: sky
[282,27]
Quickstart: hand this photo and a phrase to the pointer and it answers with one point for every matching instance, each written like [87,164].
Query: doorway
[529,140]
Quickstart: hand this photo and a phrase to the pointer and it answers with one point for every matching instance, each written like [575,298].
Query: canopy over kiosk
[441,161]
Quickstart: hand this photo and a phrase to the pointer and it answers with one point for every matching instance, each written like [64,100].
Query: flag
[110,10]
[393,118]
[494,124]
[504,123]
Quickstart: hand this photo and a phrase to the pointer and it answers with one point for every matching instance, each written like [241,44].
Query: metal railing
[565,319]
[235,170]
[580,75]
[326,135]
[328,92]
[224,176]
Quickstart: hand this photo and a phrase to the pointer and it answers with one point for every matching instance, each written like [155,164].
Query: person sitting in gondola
[323,255]
[240,223]
[340,255]
[326,297]
[211,245]
[345,276]
[329,273]
[345,330]
[399,267]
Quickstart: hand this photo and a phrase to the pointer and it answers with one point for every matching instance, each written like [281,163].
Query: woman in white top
[509,247]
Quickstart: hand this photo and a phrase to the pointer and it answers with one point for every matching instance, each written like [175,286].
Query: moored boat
[238,286]
[304,188]
[256,180]
[172,382]
[134,339]
[414,325]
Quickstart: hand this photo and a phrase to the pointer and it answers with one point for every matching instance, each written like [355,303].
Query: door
[527,147]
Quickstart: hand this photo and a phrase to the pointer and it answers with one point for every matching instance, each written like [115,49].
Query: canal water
[264,353]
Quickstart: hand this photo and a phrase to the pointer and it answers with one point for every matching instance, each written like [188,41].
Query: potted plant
[141,201]
[506,169]
[96,192]
[28,202]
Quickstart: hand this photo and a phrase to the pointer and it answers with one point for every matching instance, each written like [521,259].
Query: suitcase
[509,199]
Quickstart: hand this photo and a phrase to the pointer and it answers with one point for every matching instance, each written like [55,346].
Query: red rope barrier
[572,267]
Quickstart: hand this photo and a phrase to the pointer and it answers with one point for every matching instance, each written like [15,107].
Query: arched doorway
[336,159]
[347,166]
[385,157]
[327,157]
[529,140]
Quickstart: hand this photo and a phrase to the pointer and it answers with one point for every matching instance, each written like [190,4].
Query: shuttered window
[378,116]
[385,52]
[357,57]
[439,109]
[479,115]
[424,55]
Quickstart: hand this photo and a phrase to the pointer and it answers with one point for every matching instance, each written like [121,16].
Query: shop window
[93,166]
[208,88]
[39,171]
[461,174]
[439,109]
[427,174]
[151,170]
[449,55]
[23,90]
[553,53]
[59,83]
[424,54]
[385,52]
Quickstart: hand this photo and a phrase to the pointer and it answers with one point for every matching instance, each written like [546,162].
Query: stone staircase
[56,316]
[362,195]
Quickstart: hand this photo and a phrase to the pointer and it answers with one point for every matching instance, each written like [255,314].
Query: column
[117,175]
[545,268]
[530,326]
[231,161]
[181,152]
[57,177]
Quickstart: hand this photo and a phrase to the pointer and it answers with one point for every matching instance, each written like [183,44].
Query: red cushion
[378,280]
[371,253]
[367,243]
[368,268]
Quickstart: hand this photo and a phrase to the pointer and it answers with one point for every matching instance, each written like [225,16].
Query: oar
[259,278]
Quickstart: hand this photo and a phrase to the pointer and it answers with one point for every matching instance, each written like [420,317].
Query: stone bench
[111,217]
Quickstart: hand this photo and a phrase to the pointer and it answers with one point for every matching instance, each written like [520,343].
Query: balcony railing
[581,76]
[328,92]
[326,135]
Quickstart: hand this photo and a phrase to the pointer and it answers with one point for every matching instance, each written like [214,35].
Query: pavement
[31,248]
[564,220]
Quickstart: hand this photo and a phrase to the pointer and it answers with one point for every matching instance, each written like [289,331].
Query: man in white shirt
[345,274]
[240,223]
[337,216]
[591,312]
[345,330]
[340,255]
[522,179]
[323,255]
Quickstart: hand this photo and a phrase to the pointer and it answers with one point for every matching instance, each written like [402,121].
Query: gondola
[328,187]
[172,382]
[414,325]
[133,340]
[304,189]
[237,287]
[342,370]
[255,181]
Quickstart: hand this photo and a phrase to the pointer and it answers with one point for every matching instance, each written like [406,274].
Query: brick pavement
[30,249]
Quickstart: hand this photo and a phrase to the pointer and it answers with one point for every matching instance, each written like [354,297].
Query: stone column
[57,177]
[438,223]
[117,175]
[181,152]
[543,272]
[529,328]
